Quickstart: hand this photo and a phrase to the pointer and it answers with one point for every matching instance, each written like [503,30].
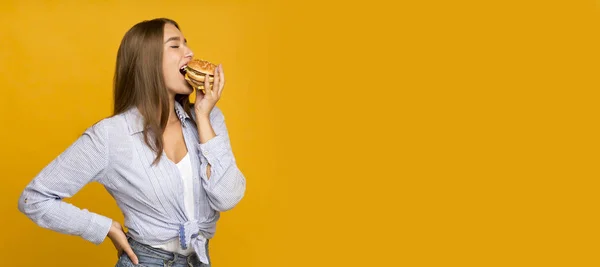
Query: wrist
[202,116]
[114,227]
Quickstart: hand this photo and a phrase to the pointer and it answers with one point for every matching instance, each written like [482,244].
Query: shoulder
[115,122]
[110,127]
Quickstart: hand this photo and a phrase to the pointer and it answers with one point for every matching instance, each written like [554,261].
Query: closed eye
[174,46]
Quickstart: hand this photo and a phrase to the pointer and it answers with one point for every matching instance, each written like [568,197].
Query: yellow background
[445,133]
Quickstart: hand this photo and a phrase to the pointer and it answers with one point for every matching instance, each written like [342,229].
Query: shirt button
[205,153]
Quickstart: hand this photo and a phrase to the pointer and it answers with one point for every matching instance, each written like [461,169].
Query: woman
[168,164]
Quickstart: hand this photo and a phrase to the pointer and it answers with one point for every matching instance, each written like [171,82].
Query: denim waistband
[159,253]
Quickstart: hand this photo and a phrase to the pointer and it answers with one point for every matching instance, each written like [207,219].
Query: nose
[189,53]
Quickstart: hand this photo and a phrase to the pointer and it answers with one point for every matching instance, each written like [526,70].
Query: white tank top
[185,168]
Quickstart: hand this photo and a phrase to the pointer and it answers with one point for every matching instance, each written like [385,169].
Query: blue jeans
[154,257]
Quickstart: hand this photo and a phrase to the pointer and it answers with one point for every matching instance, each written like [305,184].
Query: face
[176,54]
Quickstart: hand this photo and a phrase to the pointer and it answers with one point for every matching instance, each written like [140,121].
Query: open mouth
[183,70]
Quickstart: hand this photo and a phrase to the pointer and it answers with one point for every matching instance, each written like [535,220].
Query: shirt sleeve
[83,162]
[227,184]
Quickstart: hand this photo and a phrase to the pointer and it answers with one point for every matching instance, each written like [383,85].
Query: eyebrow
[175,38]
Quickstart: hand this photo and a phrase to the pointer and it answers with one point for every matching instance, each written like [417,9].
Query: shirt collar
[181,114]
[135,119]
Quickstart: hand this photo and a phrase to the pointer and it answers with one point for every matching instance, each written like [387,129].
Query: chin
[188,90]
[185,92]
[184,89]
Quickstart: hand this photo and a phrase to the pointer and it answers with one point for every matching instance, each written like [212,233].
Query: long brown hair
[139,80]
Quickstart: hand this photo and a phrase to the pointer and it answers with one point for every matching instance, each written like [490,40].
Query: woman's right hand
[119,240]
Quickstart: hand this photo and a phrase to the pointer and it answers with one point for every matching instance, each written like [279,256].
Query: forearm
[227,184]
[205,133]
[63,217]
[205,130]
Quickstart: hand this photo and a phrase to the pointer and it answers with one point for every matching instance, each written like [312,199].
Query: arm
[221,178]
[83,162]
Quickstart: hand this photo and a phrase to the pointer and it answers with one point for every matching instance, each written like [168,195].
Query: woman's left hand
[205,102]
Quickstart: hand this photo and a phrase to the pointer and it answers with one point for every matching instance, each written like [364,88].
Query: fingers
[207,89]
[199,93]
[221,81]
[119,240]
[127,249]
[217,82]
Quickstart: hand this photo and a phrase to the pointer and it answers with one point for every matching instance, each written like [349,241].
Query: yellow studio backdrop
[413,133]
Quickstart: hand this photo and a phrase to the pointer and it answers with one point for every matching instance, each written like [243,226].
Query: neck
[172,115]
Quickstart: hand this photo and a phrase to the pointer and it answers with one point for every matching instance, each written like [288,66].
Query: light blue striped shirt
[113,153]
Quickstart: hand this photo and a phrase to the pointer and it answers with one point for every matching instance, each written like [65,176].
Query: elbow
[224,206]
[26,206]
[227,201]
[34,206]
[22,205]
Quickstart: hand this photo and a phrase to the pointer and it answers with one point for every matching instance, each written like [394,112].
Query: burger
[196,71]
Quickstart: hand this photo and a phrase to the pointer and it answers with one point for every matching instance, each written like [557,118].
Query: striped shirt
[113,153]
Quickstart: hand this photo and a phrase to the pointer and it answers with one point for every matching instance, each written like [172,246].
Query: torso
[147,192]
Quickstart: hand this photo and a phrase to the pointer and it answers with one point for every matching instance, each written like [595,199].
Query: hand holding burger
[196,71]
[209,80]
